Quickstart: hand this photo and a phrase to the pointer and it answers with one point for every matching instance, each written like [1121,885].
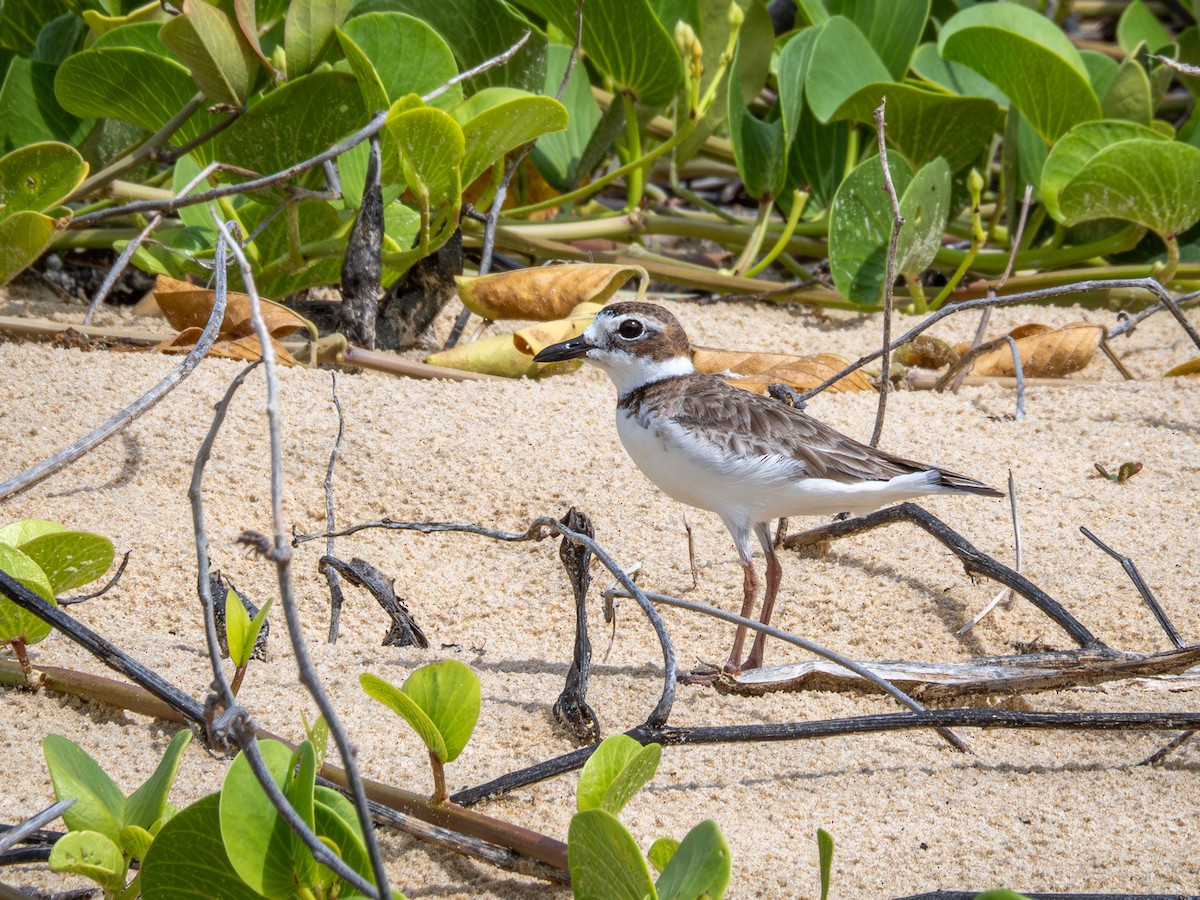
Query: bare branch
[889,274]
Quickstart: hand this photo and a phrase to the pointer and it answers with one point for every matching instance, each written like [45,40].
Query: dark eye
[630,329]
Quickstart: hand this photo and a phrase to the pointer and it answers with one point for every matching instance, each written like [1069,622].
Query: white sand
[1047,811]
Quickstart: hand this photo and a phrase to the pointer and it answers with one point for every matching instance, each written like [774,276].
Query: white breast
[759,489]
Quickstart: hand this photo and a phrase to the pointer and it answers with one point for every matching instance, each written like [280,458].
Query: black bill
[575,348]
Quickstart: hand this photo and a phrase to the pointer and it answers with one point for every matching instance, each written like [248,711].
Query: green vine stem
[635,183]
[1171,266]
[799,201]
[754,241]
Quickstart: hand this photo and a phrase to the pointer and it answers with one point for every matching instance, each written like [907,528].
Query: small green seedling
[1126,471]
[441,702]
[242,633]
[235,845]
[603,857]
[825,859]
[1000,894]
[48,559]
[106,828]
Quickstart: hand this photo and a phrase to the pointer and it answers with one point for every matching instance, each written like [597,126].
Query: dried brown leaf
[188,306]
[245,348]
[1045,352]
[754,371]
[545,293]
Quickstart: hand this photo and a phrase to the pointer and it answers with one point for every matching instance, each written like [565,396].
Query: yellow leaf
[754,371]
[544,293]
[1045,352]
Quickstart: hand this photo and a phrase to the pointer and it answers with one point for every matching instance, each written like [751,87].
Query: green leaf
[136,841]
[1102,69]
[661,851]
[860,225]
[817,158]
[408,709]
[1000,895]
[1138,25]
[477,32]
[557,154]
[1029,58]
[758,148]
[99,803]
[145,805]
[25,530]
[604,859]
[95,84]
[70,559]
[615,772]
[92,855]
[39,176]
[1071,154]
[954,77]
[29,111]
[23,238]
[15,622]
[224,66]
[924,125]
[58,39]
[432,147]
[308,31]
[294,122]
[892,28]
[847,63]
[406,55]
[448,692]
[794,60]
[1144,180]
[625,40]
[701,867]
[237,629]
[497,120]
[299,790]
[188,859]
[925,206]
[1128,96]
[257,840]
[824,859]
[336,821]
[22,20]
[318,735]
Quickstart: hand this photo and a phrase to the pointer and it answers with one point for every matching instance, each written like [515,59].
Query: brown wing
[753,425]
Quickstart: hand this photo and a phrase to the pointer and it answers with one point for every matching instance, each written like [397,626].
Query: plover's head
[635,343]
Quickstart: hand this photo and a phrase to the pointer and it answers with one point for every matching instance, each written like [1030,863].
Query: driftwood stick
[975,561]
[1142,588]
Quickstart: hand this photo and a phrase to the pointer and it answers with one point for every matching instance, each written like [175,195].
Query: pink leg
[774,576]
[749,592]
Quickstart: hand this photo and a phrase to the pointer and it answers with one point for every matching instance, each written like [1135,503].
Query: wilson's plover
[750,459]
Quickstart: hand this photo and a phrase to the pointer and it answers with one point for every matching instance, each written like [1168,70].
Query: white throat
[629,371]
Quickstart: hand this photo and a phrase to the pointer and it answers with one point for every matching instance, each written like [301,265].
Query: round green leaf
[955,77]
[1029,58]
[222,62]
[23,238]
[860,226]
[257,840]
[99,803]
[1128,95]
[406,55]
[15,621]
[1071,154]
[626,41]
[146,805]
[847,63]
[23,530]
[497,120]
[39,176]
[1147,181]
[449,694]
[557,154]
[408,709]
[188,859]
[92,855]
[70,559]
[1138,25]
[294,122]
[661,851]
[758,147]
[700,867]
[924,125]
[432,147]
[29,111]
[604,859]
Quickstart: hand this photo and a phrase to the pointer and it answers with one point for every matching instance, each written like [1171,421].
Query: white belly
[751,490]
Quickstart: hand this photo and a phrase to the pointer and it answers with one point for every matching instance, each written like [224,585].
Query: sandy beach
[1031,810]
